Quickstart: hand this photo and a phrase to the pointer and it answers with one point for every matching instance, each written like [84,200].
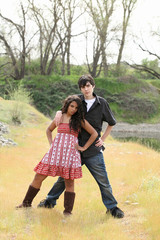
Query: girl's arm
[92,138]
[49,130]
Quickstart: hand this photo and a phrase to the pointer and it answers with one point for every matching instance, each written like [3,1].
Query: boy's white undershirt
[89,103]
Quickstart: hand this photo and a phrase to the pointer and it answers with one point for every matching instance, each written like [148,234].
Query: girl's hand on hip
[79,148]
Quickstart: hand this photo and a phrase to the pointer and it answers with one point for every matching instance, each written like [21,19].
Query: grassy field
[134,175]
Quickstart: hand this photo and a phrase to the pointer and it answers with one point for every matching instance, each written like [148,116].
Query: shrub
[50,98]
[20,97]
[128,79]
[138,108]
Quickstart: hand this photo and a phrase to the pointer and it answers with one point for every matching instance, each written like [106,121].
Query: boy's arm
[109,118]
[100,141]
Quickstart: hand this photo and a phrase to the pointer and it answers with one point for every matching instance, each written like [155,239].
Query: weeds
[19,96]
[148,142]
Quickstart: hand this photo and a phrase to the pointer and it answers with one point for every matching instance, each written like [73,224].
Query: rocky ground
[3,140]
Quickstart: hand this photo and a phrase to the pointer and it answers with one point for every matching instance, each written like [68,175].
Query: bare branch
[144,68]
[149,52]
[1,66]
[128,6]
[18,26]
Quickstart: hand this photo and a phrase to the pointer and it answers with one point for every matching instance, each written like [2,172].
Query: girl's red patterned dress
[62,159]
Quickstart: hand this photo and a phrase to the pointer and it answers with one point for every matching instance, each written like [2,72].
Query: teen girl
[63,158]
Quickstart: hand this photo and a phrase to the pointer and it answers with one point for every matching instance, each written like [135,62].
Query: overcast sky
[146,16]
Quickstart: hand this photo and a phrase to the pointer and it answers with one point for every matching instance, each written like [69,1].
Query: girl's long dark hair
[75,121]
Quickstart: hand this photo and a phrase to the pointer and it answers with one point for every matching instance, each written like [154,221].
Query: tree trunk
[128,6]
[63,65]
[14,61]
[104,61]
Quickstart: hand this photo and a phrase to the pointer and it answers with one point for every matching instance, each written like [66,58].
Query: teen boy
[96,110]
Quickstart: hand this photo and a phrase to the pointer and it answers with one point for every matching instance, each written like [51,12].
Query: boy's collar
[97,98]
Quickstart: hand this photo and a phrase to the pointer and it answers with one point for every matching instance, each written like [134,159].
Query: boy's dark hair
[78,117]
[84,79]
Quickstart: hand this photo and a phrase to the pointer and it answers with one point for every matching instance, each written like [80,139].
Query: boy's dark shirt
[99,112]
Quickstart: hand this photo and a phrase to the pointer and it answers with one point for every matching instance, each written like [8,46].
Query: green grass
[41,81]
[155,83]
[148,142]
[111,86]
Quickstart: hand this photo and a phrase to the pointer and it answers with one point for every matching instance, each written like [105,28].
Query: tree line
[46,32]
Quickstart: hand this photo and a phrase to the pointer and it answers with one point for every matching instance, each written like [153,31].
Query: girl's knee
[69,184]
[39,177]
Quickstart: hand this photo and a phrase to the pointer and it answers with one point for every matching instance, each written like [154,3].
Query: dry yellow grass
[134,173]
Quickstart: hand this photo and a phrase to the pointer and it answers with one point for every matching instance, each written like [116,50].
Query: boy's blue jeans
[97,168]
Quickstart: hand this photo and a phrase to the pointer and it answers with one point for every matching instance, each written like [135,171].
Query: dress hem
[53,171]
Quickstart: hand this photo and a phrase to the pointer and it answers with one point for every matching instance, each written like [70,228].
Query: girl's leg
[32,190]
[37,181]
[69,185]
[69,196]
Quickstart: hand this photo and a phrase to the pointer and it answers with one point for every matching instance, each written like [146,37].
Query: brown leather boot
[30,195]
[68,202]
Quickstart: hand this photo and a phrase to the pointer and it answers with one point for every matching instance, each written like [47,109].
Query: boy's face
[87,90]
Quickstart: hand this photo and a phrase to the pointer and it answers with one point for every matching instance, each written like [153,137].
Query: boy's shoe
[45,204]
[116,212]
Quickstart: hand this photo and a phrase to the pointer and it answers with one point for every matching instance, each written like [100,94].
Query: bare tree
[55,32]
[17,53]
[128,7]
[47,21]
[94,68]
[101,12]
[70,16]
[63,50]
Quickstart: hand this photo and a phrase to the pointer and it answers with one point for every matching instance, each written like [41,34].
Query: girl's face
[72,108]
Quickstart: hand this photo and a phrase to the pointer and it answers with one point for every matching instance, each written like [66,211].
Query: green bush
[50,98]
[133,109]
